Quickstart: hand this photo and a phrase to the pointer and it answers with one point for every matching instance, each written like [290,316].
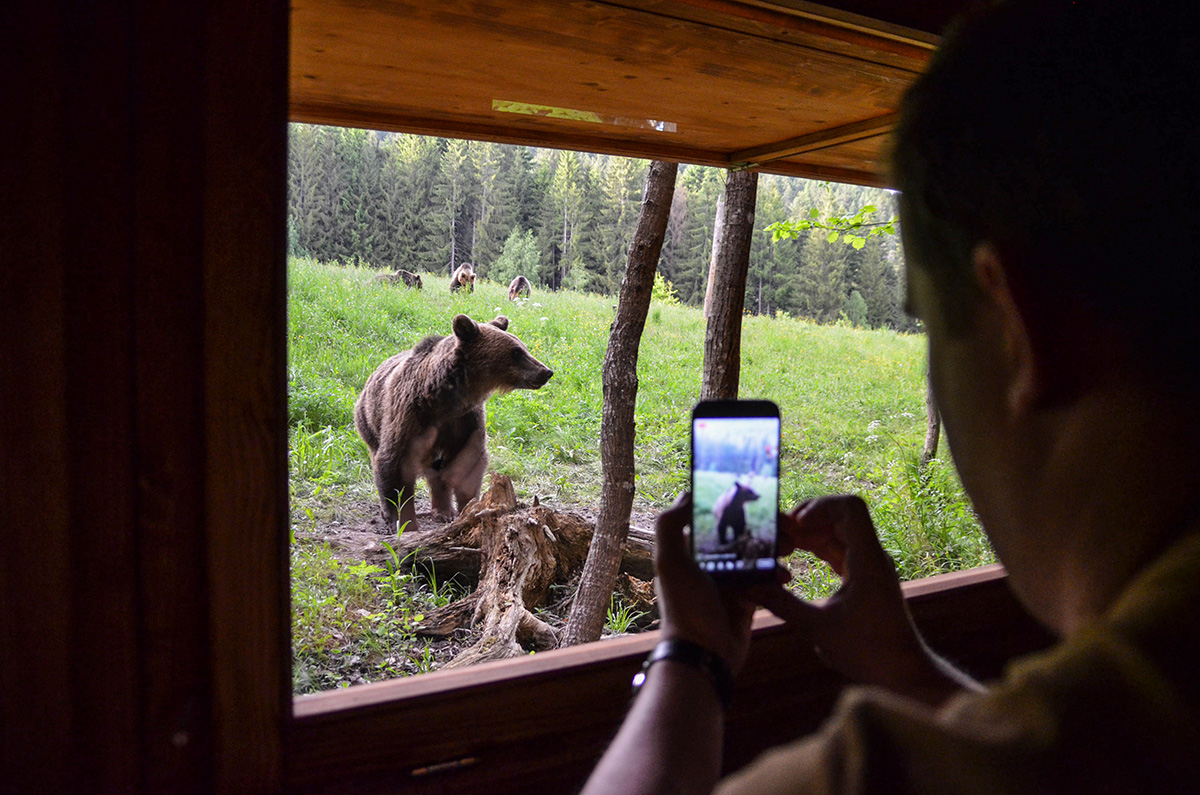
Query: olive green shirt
[1114,708]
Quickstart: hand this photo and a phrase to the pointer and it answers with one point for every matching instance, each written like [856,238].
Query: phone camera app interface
[735,482]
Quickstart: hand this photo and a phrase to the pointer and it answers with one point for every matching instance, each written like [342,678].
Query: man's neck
[1119,483]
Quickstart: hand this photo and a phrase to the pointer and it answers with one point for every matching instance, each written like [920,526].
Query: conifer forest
[564,219]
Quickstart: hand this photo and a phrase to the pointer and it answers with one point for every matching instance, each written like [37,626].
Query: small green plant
[621,616]
[663,292]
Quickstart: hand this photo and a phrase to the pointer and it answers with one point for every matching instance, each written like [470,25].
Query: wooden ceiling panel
[703,81]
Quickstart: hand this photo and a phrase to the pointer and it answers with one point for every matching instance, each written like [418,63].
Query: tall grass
[852,402]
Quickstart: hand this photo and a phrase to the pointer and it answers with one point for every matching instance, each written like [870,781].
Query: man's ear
[1026,367]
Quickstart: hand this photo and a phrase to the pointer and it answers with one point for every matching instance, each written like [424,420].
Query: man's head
[1061,133]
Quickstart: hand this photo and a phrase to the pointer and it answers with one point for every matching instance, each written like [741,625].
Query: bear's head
[497,360]
[745,493]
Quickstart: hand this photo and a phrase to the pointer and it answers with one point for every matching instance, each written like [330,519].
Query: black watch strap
[695,655]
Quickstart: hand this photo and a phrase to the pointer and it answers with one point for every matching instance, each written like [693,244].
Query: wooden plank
[822,139]
[168,350]
[824,27]
[67,575]
[36,711]
[244,367]
[725,85]
[841,163]
[105,682]
[539,724]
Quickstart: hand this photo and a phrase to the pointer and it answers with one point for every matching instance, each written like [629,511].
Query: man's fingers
[786,605]
[838,530]
[670,546]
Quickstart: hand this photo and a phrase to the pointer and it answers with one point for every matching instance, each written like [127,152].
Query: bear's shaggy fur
[409,278]
[518,287]
[421,414]
[730,511]
[464,276]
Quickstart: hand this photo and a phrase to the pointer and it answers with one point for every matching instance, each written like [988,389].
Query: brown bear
[421,414]
[729,511]
[409,278]
[464,276]
[518,287]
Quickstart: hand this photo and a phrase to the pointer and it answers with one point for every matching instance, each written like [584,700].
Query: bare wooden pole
[718,230]
[933,423]
[590,608]
[723,339]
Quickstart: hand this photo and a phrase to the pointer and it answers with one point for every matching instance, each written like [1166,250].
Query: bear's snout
[541,377]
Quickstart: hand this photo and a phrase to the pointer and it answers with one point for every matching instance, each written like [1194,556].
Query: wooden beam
[829,23]
[538,724]
[868,128]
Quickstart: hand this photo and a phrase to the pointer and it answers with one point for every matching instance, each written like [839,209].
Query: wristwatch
[695,655]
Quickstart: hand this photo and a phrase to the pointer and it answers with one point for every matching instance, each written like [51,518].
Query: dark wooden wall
[143,635]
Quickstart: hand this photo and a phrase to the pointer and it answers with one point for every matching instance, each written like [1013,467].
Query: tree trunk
[718,230]
[933,423]
[590,608]
[723,339]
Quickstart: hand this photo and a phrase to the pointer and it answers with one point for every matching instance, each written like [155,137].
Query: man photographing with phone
[1045,162]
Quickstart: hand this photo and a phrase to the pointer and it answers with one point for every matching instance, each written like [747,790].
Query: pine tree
[621,181]
[450,209]
[495,210]
[411,170]
[566,190]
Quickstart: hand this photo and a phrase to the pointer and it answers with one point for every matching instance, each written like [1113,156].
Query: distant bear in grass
[730,511]
[464,277]
[421,414]
[518,287]
[409,278]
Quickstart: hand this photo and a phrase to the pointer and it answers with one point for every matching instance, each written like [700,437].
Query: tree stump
[518,552]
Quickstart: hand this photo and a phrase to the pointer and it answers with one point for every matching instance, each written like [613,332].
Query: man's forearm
[670,741]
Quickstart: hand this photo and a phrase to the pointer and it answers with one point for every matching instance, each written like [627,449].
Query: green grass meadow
[852,403]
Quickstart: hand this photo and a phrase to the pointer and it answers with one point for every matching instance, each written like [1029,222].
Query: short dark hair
[1061,132]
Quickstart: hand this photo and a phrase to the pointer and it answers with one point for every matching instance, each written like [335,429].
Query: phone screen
[735,487]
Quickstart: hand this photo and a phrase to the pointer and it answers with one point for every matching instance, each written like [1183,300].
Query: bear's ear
[465,328]
[501,322]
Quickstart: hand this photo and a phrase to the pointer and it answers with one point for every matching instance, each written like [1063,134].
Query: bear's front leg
[396,487]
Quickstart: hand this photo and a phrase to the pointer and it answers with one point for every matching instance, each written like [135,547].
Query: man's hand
[863,631]
[671,740]
[690,605]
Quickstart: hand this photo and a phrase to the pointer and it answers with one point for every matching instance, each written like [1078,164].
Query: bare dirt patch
[355,533]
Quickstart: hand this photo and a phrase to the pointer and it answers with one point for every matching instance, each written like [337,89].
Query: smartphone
[735,488]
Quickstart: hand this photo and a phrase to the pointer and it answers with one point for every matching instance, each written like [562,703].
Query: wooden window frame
[146,591]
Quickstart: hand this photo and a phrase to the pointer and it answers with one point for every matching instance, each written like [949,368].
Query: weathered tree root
[521,551]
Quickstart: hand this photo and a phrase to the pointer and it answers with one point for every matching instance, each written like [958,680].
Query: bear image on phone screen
[735,483]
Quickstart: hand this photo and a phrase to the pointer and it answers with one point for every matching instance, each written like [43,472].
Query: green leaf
[858,243]
[870,208]
[814,213]
[833,236]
